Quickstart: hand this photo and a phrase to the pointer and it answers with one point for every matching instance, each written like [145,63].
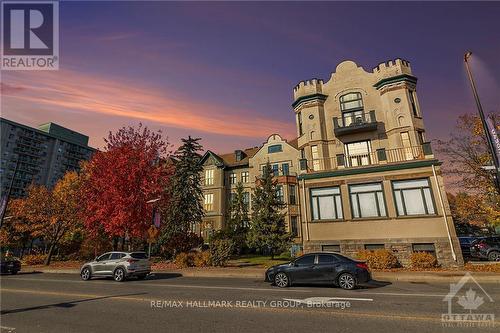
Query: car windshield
[139,255]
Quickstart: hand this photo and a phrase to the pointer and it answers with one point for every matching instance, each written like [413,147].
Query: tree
[464,155]
[15,233]
[51,214]
[121,180]
[470,214]
[237,219]
[267,228]
[185,210]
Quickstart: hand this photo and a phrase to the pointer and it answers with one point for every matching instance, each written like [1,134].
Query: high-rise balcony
[379,157]
[355,122]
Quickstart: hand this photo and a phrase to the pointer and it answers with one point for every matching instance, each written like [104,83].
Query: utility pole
[489,139]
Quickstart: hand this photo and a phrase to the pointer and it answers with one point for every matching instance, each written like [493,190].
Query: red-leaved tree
[120,180]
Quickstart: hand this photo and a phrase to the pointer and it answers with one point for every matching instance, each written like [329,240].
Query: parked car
[9,265]
[486,248]
[466,244]
[321,268]
[119,265]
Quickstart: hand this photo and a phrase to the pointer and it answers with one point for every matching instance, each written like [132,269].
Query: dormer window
[239,155]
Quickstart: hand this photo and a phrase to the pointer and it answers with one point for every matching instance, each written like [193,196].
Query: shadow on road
[368,285]
[64,305]
[21,273]
[163,276]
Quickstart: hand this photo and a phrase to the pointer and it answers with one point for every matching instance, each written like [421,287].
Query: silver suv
[119,265]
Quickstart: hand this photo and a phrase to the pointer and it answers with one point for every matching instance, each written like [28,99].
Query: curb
[415,277]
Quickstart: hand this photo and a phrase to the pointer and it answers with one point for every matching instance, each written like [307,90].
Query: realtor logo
[469,296]
[30,35]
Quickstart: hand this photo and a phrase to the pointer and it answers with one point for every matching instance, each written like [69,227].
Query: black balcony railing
[380,156]
[354,122]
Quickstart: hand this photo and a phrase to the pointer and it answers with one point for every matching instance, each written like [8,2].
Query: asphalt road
[170,303]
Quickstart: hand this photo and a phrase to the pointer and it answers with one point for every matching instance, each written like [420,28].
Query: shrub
[181,243]
[220,251]
[202,259]
[423,260]
[34,259]
[183,260]
[379,259]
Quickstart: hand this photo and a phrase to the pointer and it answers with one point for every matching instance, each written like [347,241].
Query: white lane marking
[327,299]
[173,285]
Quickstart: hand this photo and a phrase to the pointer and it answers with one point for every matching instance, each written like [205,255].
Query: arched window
[351,101]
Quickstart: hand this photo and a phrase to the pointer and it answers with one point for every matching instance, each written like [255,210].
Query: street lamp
[487,132]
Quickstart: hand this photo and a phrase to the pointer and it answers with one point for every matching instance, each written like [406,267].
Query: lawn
[253,260]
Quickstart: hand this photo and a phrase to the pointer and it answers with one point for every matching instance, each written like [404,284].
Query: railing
[378,157]
[355,119]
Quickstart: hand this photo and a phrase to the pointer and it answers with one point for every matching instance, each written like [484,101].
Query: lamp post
[487,133]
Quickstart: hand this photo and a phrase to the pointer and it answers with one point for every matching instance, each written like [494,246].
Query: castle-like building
[359,175]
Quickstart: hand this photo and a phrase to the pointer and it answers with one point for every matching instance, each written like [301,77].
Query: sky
[225,71]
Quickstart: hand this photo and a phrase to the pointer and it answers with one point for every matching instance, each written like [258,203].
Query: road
[171,303]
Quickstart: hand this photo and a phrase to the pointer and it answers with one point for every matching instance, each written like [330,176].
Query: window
[302,153]
[139,255]
[307,260]
[274,149]
[209,202]
[246,199]
[326,203]
[292,195]
[244,177]
[276,169]
[413,197]
[373,247]
[209,177]
[331,248]
[367,200]
[293,225]
[116,256]
[351,101]
[425,247]
[326,259]
[421,137]
[105,256]
[232,178]
[411,94]
[299,121]
[285,168]
[358,153]
[279,192]
[315,158]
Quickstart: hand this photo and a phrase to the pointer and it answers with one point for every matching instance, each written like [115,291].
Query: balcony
[380,157]
[355,122]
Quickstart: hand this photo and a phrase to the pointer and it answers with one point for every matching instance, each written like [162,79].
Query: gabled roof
[208,153]
[230,158]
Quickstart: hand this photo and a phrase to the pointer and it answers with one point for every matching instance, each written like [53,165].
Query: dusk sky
[225,71]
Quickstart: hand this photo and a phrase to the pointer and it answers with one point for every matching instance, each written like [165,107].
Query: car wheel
[494,256]
[141,277]
[346,281]
[85,274]
[281,280]
[119,275]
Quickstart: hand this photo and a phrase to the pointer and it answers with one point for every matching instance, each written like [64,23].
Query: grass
[259,260]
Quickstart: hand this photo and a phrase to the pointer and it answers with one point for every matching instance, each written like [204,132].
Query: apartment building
[222,173]
[368,178]
[42,154]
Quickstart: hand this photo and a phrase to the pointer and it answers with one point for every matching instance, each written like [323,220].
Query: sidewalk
[258,273]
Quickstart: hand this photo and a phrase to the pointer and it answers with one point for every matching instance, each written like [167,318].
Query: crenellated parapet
[392,68]
[308,87]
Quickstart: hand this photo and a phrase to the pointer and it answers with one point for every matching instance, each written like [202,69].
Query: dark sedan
[9,265]
[321,268]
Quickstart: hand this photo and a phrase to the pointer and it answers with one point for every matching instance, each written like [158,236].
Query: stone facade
[364,174]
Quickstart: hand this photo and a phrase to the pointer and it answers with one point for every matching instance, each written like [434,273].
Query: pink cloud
[68,91]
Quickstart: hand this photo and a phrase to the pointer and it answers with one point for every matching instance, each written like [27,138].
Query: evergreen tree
[267,228]
[237,219]
[185,210]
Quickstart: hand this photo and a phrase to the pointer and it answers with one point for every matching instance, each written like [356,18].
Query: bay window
[413,197]
[326,203]
[367,200]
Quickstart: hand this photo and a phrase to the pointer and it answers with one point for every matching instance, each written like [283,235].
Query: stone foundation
[401,248]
